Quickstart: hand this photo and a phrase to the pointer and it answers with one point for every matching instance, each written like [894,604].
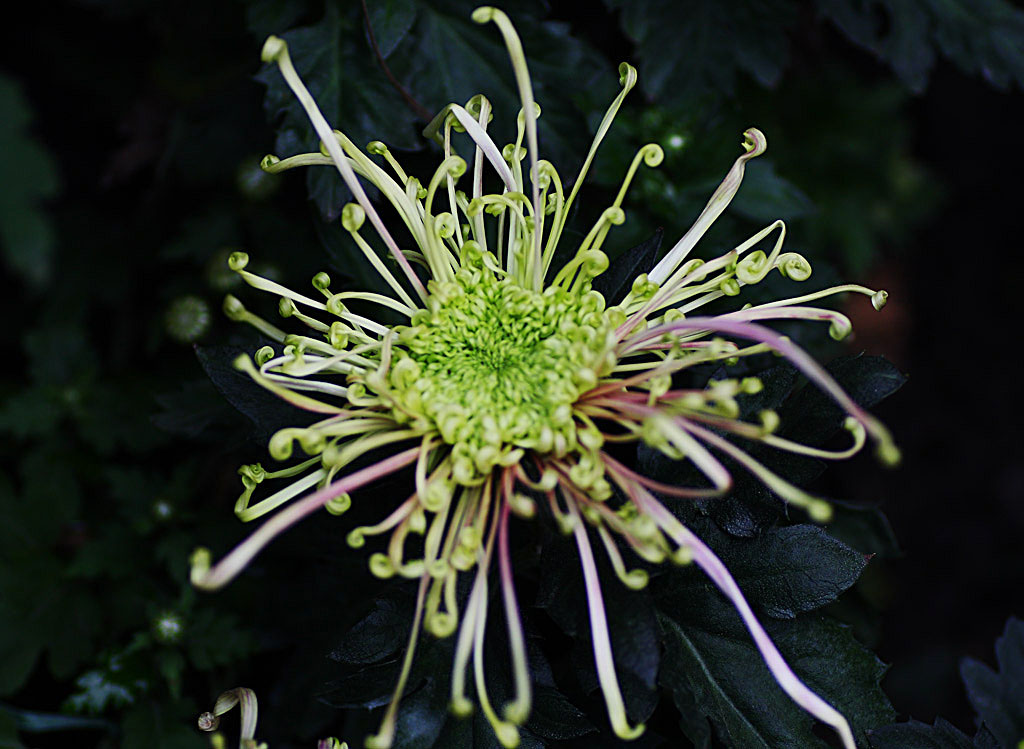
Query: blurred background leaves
[132,134]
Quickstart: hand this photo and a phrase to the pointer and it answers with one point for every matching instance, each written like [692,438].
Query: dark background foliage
[131,134]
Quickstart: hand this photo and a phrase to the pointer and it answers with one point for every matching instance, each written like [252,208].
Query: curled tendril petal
[754,144]
[794,266]
[246,700]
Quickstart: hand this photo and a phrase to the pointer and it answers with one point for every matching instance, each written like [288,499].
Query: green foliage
[711,662]
[26,237]
[916,735]
[693,53]
[996,696]
[980,36]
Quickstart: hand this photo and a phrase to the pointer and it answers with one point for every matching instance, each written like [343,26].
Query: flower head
[508,380]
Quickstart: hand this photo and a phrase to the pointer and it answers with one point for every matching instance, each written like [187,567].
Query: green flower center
[495,368]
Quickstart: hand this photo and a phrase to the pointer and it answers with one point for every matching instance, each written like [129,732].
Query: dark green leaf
[377,635]
[916,735]
[865,529]
[765,196]
[812,417]
[475,732]
[554,717]
[711,655]
[366,687]
[693,720]
[391,21]
[697,49]
[996,697]
[784,572]
[422,715]
[983,36]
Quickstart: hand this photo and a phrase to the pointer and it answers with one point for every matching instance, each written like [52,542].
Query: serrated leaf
[983,36]
[812,417]
[916,735]
[784,572]
[695,50]
[34,601]
[996,697]
[709,652]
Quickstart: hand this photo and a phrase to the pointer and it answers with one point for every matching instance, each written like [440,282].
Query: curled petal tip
[378,741]
[352,217]
[238,260]
[636,579]
[653,154]
[839,329]
[200,567]
[461,707]
[484,13]
[754,142]
[517,712]
[273,48]
[626,732]
[889,454]
[820,511]
[508,735]
[627,75]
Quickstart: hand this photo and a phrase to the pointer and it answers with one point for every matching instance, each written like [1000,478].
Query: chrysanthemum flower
[509,379]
